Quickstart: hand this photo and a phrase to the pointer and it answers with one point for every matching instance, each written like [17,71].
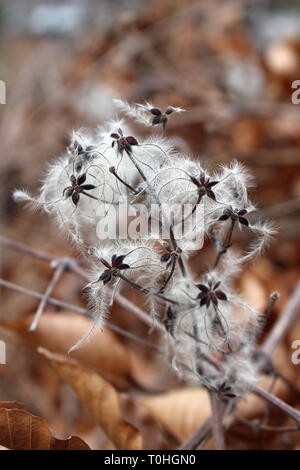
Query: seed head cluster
[202,314]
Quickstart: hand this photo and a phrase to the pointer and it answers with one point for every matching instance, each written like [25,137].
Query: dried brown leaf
[140,417]
[99,398]
[179,412]
[12,405]
[20,430]
[59,331]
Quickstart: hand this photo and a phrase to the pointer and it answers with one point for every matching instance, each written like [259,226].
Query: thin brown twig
[199,438]
[202,434]
[270,398]
[81,311]
[175,246]
[280,429]
[226,243]
[134,285]
[75,267]
[23,248]
[74,308]
[257,426]
[217,409]
[284,323]
[54,280]
[113,172]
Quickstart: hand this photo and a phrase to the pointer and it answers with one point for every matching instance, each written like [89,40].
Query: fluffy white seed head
[84,188]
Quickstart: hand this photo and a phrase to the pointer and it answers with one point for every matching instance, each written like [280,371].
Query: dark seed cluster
[160,116]
[112,268]
[210,293]
[171,255]
[224,391]
[77,187]
[81,154]
[234,215]
[204,185]
[123,143]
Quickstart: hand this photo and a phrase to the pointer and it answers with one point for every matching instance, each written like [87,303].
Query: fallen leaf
[20,430]
[12,405]
[180,412]
[57,332]
[140,417]
[99,398]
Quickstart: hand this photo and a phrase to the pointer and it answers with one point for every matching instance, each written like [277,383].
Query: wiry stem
[55,278]
[21,247]
[199,199]
[137,167]
[219,322]
[166,282]
[202,434]
[175,246]
[273,299]
[164,129]
[284,323]
[74,308]
[113,172]
[90,196]
[75,267]
[269,397]
[226,243]
[145,290]
[257,426]
[217,409]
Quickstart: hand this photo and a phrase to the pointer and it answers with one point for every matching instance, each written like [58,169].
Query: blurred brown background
[230,64]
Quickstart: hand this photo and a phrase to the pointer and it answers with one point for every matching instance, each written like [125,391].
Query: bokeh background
[231,65]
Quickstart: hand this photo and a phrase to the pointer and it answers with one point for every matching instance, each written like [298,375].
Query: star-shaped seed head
[123,143]
[160,116]
[224,391]
[235,214]
[170,255]
[81,153]
[204,185]
[78,149]
[77,187]
[113,268]
[210,293]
